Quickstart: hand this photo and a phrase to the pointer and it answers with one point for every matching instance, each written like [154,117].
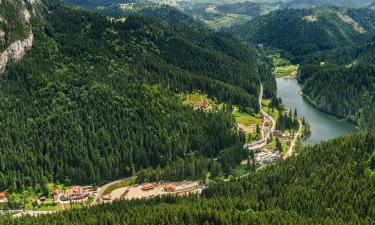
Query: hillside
[330,183]
[15,31]
[299,32]
[97,98]
[326,3]
[224,13]
[341,82]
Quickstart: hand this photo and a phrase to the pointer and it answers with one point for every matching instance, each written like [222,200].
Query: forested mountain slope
[15,31]
[330,183]
[299,32]
[96,99]
[326,3]
[342,82]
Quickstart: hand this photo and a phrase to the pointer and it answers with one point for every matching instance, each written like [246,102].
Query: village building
[75,193]
[203,105]
[169,188]
[3,197]
[148,187]
[107,198]
[277,133]
[55,193]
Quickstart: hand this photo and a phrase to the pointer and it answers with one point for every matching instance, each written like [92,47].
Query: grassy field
[283,71]
[246,119]
[274,113]
[227,21]
[282,66]
[194,99]
[118,185]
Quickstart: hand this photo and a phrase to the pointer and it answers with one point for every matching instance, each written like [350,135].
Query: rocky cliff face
[14,49]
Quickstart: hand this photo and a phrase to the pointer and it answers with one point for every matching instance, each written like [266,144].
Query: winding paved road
[263,112]
[265,132]
[102,189]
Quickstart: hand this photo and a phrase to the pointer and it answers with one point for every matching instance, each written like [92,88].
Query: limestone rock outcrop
[15,52]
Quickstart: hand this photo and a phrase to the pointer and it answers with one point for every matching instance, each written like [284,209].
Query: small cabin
[203,105]
[148,187]
[2,196]
[56,193]
[169,188]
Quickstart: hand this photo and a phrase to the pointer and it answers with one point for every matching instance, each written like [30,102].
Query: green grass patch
[282,66]
[118,185]
[246,119]
[194,99]
[283,71]
[241,170]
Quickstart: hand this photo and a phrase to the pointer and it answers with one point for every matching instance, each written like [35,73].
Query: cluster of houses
[280,134]
[73,194]
[262,158]
[167,188]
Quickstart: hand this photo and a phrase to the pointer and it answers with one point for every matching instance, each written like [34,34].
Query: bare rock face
[25,14]
[15,51]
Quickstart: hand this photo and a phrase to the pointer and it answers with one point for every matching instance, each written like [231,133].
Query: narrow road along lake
[323,126]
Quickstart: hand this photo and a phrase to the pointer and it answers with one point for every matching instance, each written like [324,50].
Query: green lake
[323,125]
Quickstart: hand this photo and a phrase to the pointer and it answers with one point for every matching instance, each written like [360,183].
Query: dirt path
[293,143]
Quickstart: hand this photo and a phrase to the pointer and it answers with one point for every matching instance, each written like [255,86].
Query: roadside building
[277,133]
[203,105]
[3,197]
[169,187]
[55,193]
[107,197]
[148,187]
[74,193]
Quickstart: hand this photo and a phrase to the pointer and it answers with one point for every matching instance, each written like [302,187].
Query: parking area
[155,189]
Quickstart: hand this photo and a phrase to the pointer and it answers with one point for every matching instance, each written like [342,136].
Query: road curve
[263,112]
[101,190]
[262,143]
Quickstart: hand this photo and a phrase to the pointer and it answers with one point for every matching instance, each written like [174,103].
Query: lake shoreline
[324,125]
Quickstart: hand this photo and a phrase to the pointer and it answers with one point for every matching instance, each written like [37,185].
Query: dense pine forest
[97,99]
[335,50]
[13,27]
[299,32]
[341,82]
[330,183]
